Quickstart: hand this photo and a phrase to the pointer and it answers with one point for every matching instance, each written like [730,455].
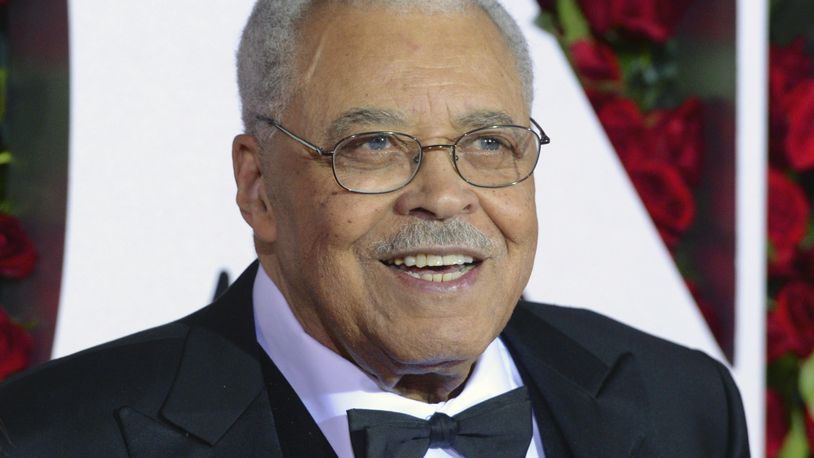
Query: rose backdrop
[790,319]
[17,252]
[15,346]
[623,52]
[620,50]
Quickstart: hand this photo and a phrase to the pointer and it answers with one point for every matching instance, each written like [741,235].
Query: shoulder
[661,362]
[607,337]
[685,388]
[66,399]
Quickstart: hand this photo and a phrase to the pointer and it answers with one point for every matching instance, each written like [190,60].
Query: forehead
[423,66]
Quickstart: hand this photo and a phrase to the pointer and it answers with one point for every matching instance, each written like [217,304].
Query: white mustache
[435,234]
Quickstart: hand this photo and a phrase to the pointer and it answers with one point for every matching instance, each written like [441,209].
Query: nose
[437,191]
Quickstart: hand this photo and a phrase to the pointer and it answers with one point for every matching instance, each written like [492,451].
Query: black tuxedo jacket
[200,387]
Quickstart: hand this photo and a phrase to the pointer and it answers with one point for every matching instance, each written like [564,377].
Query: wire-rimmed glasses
[380,162]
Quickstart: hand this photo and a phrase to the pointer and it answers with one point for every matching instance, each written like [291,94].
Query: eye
[488,143]
[377,143]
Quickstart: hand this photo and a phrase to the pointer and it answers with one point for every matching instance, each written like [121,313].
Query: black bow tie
[498,427]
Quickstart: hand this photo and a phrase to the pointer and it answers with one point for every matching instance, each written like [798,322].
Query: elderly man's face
[442,75]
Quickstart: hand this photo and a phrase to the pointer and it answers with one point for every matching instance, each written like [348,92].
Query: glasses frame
[542,139]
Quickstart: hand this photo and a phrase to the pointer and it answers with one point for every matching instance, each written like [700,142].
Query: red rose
[598,14]
[777,136]
[624,124]
[795,309]
[17,254]
[800,136]
[676,137]
[780,338]
[651,19]
[15,345]
[777,424]
[788,65]
[595,61]
[666,197]
[804,264]
[673,136]
[547,4]
[599,98]
[639,17]
[781,263]
[658,182]
[788,213]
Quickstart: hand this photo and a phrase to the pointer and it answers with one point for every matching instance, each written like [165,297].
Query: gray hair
[265,66]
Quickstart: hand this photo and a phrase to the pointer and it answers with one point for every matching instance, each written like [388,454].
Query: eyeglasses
[381,162]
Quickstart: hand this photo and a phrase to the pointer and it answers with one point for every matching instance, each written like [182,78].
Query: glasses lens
[377,162]
[498,156]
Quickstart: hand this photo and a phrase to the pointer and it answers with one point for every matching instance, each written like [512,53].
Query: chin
[433,352]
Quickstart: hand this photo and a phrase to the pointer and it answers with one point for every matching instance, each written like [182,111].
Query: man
[381,318]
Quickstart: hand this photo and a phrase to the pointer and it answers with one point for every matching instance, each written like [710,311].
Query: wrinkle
[309,72]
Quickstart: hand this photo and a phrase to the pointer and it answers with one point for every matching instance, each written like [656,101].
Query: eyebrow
[352,120]
[358,118]
[483,118]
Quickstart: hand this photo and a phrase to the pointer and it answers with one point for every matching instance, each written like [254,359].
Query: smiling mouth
[434,268]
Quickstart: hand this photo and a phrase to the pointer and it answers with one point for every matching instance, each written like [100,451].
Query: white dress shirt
[329,384]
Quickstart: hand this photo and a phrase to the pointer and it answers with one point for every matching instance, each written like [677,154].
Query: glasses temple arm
[543,137]
[294,136]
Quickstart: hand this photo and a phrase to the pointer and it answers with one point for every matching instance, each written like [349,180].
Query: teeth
[439,278]
[434,261]
[431,260]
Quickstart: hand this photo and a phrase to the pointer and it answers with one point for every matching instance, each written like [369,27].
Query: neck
[439,383]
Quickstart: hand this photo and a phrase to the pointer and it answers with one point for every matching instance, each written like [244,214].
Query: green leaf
[574,25]
[771,251]
[5,158]
[771,304]
[783,375]
[806,382]
[548,22]
[808,238]
[796,443]
[6,207]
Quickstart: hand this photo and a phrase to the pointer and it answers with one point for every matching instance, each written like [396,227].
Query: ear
[252,198]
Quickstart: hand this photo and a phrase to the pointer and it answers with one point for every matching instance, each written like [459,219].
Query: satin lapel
[599,404]
[218,395]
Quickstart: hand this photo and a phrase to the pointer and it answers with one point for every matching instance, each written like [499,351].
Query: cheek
[346,219]
[514,213]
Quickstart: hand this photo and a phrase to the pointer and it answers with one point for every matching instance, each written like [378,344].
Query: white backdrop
[152,219]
